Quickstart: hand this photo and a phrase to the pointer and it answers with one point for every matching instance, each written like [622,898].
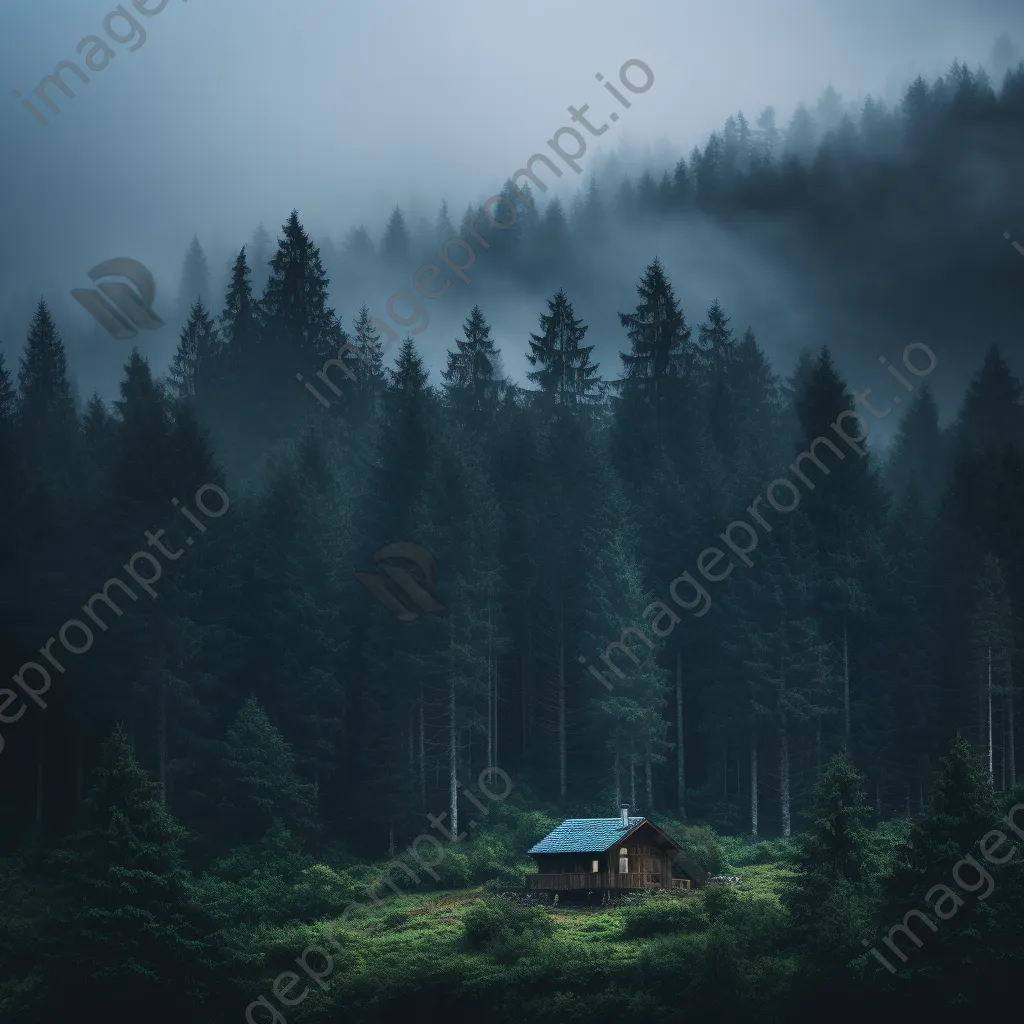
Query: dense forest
[203,755]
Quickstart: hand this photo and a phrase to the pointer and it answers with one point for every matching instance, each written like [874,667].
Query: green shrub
[739,851]
[319,890]
[664,916]
[496,922]
[701,844]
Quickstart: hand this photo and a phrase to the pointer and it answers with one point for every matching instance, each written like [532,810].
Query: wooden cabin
[599,854]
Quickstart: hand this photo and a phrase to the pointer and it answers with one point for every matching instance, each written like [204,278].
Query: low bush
[495,922]
[664,916]
[738,851]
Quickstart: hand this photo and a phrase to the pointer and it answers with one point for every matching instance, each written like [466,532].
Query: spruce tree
[443,227]
[368,369]
[194,371]
[195,278]
[46,412]
[300,330]
[917,459]
[992,415]
[260,253]
[713,362]
[656,375]
[134,935]
[394,245]
[473,376]
[259,783]
[565,375]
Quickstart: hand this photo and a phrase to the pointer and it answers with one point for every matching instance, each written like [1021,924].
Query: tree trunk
[618,782]
[453,766]
[1002,756]
[981,715]
[991,775]
[725,774]
[680,753]
[525,674]
[494,763]
[753,781]
[878,799]
[561,710]
[784,774]
[80,774]
[1011,753]
[846,691]
[632,778]
[490,695]
[412,755]
[422,754]
[162,743]
[40,760]
[817,747]
[391,839]
[650,789]
[920,794]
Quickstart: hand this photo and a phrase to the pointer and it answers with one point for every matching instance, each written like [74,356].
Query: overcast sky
[235,111]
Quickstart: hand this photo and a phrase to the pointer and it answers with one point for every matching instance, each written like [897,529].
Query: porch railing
[601,880]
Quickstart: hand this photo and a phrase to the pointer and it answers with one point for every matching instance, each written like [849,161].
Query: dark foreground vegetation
[193,797]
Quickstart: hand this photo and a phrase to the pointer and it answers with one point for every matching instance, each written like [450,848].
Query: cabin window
[623,860]
[594,866]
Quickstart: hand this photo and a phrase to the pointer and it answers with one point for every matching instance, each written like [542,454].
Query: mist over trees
[264,697]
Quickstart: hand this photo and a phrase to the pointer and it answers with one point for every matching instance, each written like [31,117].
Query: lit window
[594,866]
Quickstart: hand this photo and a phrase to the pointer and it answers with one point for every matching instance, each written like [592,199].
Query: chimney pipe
[625,815]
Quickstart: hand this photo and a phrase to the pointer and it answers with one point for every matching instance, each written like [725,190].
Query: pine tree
[713,362]
[829,897]
[259,783]
[260,253]
[443,228]
[992,415]
[633,708]
[656,371]
[142,445]
[300,330]
[239,326]
[134,935]
[370,376]
[961,812]
[554,243]
[566,374]
[194,370]
[917,460]
[473,376]
[395,243]
[46,413]
[195,277]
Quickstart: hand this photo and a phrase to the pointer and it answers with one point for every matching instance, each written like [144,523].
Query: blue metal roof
[585,835]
